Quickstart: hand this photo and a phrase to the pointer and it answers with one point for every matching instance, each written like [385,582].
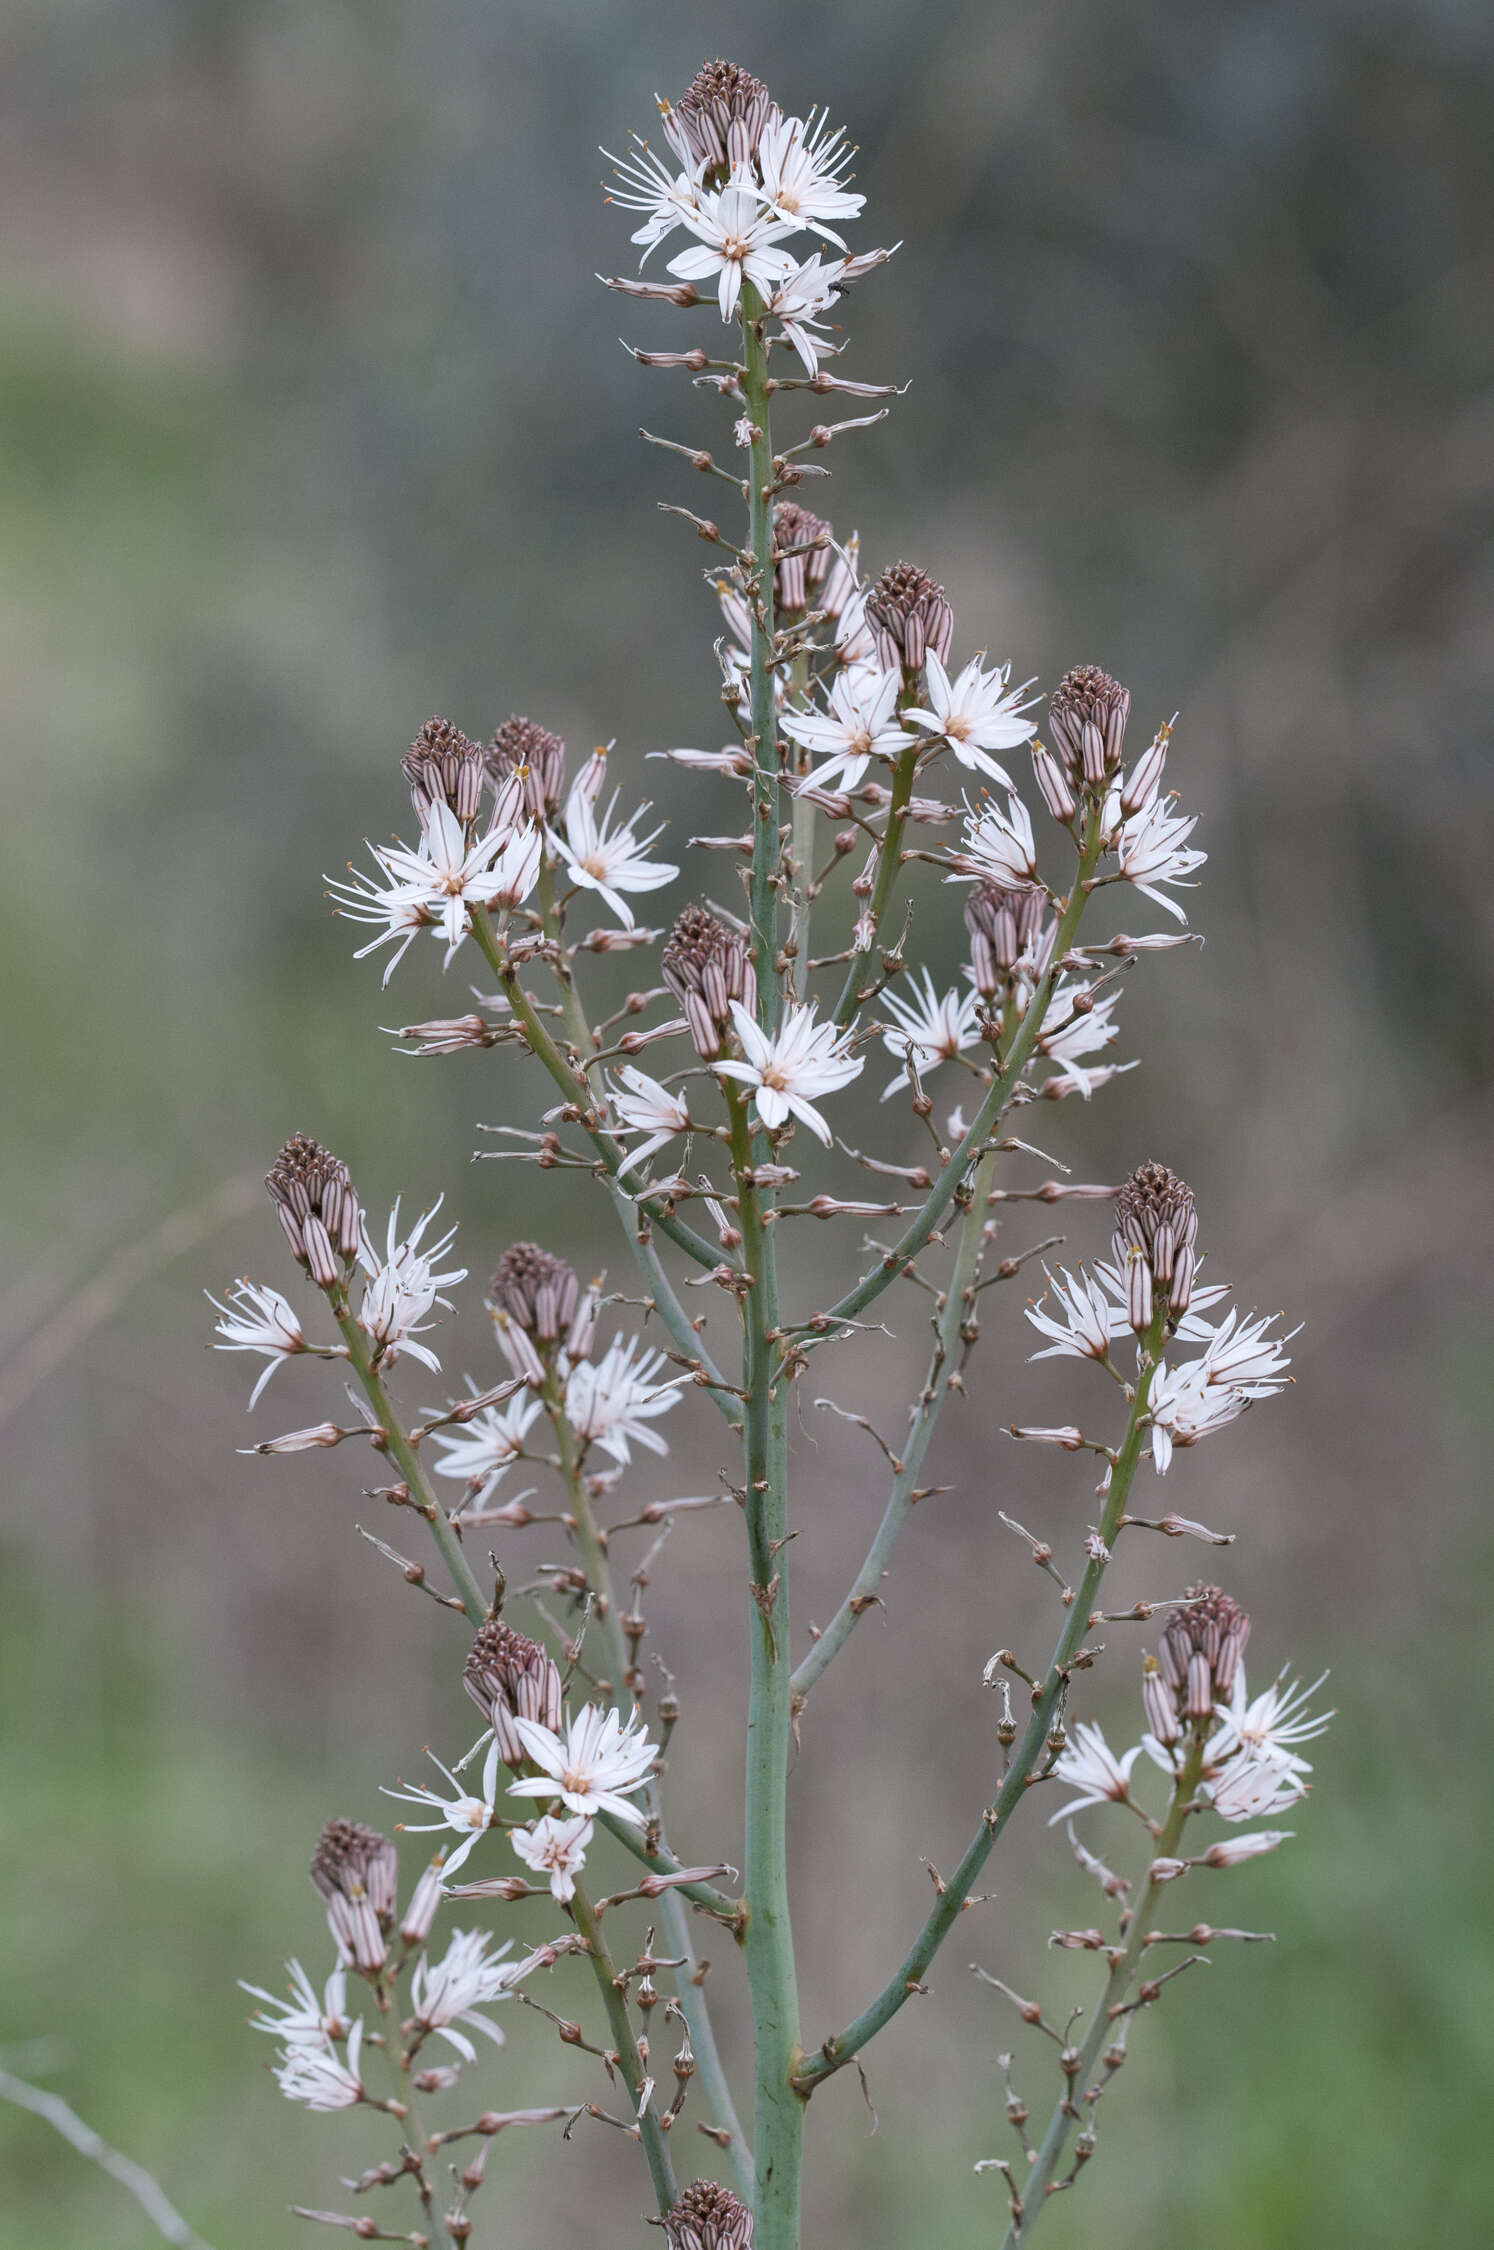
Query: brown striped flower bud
[1087,714]
[356,1869]
[314,1200]
[708,2217]
[443,767]
[800,567]
[425,1899]
[706,966]
[1156,1228]
[719,119]
[508,1676]
[1003,926]
[910,615]
[1200,1650]
[539,1307]
[524,749]
[1158,1701]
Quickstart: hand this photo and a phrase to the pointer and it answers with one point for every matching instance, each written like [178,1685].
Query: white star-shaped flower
[974,714]
[401,1290]
[860,725]
[788,1072]
[998,848]
[644,1106]
[610,1402]
[308,2018]
[470,1816]
[259,1319]
[1089,1765]
[319,2077]
[557,1849]
[736,240]
[481,1450]
[454,1989]
[595,1767]
[1151,850]
[610,859]
[928,1029]
[802,165]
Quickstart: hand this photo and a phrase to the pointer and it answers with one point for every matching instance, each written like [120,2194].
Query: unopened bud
[444,768]
[314,1200]
[415,1922]
[718,120]
[801,555]
[509,1676]
[1087,714]
[355,1869]
[521,748]
[1200,1650]
[909,614]
[1143,782]
[1156,1229]
[708,2217]
[706,966]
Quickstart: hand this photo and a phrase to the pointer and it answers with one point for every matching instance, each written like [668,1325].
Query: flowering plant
[849,706]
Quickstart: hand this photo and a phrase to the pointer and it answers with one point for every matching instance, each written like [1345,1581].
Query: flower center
[579,1784]
[774,1075]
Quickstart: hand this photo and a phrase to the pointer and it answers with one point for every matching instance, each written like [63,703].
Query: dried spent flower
[718,120]
[1156,1227]
[523,747]
[444,767]
[314,1200]
[1201,1648]
[706,966]
[910,615]
[509,1676]
[1087,714]
[708,2217]
[355,1869]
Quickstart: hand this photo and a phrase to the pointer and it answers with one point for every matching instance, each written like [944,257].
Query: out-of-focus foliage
[312,420]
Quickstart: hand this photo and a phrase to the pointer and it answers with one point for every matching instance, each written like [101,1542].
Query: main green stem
[1035,2193]
[768,1944]
[837,2052]
[889,867]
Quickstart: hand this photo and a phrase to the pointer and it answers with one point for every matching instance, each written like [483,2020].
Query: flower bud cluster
[1200,1650]
[508,1677]
[315,1203]
[356,1870]
[707,967]
[708,2217]
[1156,1228]
[910,615]
[1006,927]
[1087,715]
[540,1309]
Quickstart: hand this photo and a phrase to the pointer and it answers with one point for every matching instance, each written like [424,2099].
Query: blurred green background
[312,421]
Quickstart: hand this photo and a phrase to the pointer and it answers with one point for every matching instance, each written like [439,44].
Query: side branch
[921,1227]
[900,1501]
[839,2050]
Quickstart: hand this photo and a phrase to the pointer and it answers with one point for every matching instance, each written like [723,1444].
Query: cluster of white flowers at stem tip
[847,705]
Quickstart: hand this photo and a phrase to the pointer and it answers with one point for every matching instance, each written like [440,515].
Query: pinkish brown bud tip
[522,746]
[1087,714]
[708,2217]
[910,615]
[315,1203]
[706,966]
[509,1676]
[719,119]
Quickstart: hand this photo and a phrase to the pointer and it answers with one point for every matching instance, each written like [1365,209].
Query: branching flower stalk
[709,1102]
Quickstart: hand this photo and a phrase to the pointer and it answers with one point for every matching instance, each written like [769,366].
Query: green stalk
[678,1933]
[889,867]
[408,1461]
[763,889]
[837,2052]
[778,2128]
[651,2131]
[900,1501]
[1035,2193]
[768,1940]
